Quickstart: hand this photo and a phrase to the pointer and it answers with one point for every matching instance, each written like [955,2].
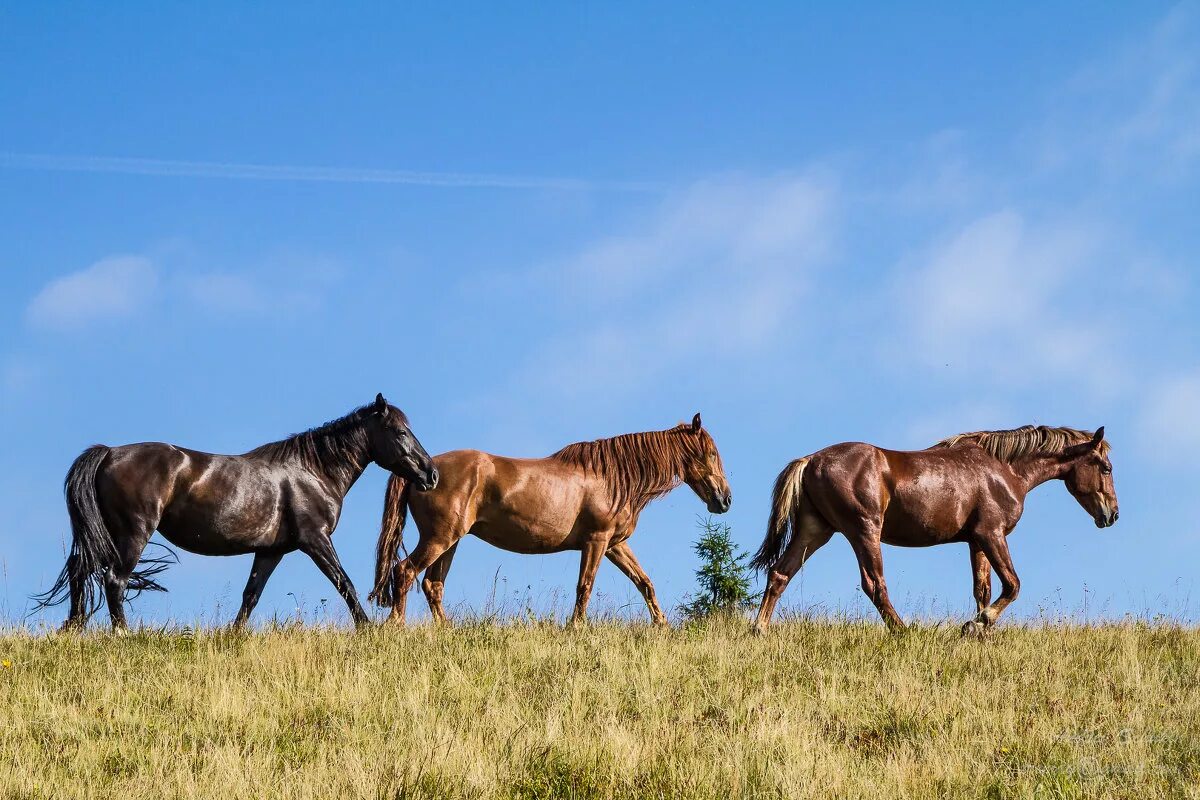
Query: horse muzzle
[431,482]
[719,505]
[1106,519]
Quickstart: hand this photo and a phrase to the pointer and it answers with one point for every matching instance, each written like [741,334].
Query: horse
[585,497]
[275,499]
[967,488]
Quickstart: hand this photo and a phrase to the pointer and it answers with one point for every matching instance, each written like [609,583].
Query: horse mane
[330,444]
[639,467]
[1009,445]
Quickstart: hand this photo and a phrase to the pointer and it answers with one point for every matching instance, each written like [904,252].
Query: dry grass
[816,709]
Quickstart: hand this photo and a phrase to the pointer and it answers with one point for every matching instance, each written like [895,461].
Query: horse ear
[380,403]
[696,422]
[1098,437]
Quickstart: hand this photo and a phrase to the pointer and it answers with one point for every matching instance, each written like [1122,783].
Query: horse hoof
[758,630]
[973,629]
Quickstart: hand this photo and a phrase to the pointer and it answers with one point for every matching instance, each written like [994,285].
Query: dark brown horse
[968,488]
[277,498]
[585,497]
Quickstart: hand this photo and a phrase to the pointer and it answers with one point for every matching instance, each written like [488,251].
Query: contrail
[273,172]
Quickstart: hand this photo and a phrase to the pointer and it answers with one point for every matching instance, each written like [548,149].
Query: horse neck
[1036,469]
[650,481]
[341,457]
[659,482]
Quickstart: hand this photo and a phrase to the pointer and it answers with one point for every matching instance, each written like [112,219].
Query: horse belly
[924,517]
[227,511]
[531,534]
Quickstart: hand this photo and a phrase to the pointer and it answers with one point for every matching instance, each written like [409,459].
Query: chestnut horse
[276,498]
[585,497]
[968,488]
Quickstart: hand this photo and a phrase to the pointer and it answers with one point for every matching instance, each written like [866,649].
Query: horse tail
[785,505]
[92,548]
[93,551]
[391,540]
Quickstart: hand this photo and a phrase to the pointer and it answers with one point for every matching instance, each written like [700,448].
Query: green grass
[814,709]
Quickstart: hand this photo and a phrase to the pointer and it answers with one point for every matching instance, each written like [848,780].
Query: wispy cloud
[251,293]
[991,293]
[713,273]
[1134,110]
[111,288]
[724,226]
[278,172]
[1170,422]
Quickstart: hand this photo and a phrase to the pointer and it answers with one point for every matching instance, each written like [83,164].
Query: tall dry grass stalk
[815,709]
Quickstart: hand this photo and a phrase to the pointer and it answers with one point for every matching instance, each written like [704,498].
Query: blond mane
[1009,445]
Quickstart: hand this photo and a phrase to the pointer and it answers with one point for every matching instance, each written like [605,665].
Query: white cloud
[257,292]
[997,293]
[111,288]
[713,273]
[722,226]
[222,291]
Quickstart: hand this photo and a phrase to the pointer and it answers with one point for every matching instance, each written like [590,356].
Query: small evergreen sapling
[723,576]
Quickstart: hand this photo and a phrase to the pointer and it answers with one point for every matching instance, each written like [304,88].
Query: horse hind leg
[130,541]
[78,615]
[434,584]
[811,534]
[440,529]
[404,575]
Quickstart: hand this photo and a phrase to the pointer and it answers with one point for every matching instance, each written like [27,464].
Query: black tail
[92,549]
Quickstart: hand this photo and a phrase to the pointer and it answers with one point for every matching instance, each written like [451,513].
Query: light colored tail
[391,539]
[785,504]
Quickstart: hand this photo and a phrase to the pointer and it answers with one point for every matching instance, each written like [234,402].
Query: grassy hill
[815,709]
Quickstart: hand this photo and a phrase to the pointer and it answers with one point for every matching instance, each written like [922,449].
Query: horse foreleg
[434,583]
[589,562]
[260,572]
[995,548]
[981,573]
[319,547]
[981,577]
[622,556]
[870,564]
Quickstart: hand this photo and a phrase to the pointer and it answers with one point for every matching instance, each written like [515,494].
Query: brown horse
[585,497]
[968,488]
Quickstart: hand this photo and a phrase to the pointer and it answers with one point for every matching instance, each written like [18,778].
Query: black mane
[335,442]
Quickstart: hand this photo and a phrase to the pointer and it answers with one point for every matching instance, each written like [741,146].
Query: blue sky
[534,226]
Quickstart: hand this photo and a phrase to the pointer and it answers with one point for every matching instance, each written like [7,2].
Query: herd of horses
[288,495]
